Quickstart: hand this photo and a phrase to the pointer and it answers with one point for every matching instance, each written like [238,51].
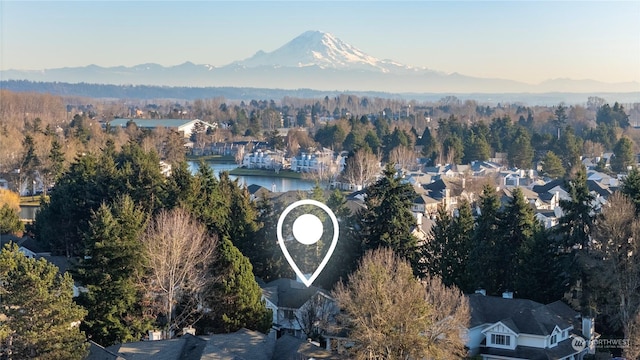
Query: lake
[272,183]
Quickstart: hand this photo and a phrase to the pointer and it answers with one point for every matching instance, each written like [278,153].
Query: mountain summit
[313,60]
[321,49]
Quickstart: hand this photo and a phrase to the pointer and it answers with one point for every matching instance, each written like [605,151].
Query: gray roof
[520,315]
[562,350]
[97,352]
[242,345]
[152,123]
[289,293]
[291,348]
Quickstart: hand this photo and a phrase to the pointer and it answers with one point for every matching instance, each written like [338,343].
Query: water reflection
[272,183]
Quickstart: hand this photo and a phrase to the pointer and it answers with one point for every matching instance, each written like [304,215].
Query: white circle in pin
[307,229]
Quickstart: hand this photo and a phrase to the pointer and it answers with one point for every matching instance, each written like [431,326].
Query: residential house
[506,328]
[448,192]
[318,162]
[260,159]
[257,192]
[293,304]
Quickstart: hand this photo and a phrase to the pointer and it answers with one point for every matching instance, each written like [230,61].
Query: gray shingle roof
[521,315]
[289,293]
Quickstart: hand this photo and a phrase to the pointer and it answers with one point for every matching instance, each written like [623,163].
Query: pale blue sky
[525,41]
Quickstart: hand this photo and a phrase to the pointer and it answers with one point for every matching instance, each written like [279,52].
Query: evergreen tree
[235,298]
[552,165]
[538,268]
[387,220]
[109,270]
[574,231]
[631,187]
[62,221]
[265,253]
[577,219]
[447,251]
[520,152]
[10,222]
[485,261]
[179,186]
[41,318]
[242,212]
[348,250]
[622,155]
[476,148]
[517,226]
[56,156]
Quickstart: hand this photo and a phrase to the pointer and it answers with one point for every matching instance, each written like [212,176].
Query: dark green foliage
[623,155]
[453,149]
[90,181]
[539,269]
[41,317]
[568,148]
[110,270]
[56,156]
[242,226]
[577,219]
[387,220]
[517,226]
[348,250]
[447,252]
[613,116]
[63,220]
[485,261]
[476,147]
[264,252]
[552,166]
[235,297]
[574,229]
[631,187]
[10,220]
[520,152]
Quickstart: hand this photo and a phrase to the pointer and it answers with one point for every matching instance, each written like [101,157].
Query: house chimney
[507,295]
[155,335]
[588,331]
[482,292]
[419,219]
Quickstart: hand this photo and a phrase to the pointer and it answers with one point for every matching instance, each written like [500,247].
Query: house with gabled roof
[289,299]
[508,329]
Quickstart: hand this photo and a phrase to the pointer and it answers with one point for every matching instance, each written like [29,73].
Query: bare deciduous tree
[178,253]
[404,157]
[361,168]
[317,315]
[617,253]
[392,315]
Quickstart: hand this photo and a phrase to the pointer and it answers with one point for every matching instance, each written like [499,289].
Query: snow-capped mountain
[321,49]
[313,60]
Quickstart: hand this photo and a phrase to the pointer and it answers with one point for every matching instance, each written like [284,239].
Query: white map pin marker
[307,230]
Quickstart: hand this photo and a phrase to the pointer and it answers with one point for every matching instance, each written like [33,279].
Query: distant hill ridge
[313,60]
[108,91]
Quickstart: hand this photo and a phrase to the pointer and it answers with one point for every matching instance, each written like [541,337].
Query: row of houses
[320,161]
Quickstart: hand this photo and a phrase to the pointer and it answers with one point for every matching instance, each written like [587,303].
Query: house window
[554,339]
[497,339]
[288,314]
